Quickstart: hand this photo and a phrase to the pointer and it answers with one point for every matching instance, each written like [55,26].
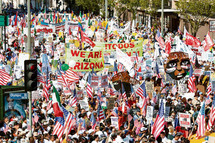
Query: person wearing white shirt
[164,138]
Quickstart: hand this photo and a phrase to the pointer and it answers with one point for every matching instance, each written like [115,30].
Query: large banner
[129,48]
[85,60]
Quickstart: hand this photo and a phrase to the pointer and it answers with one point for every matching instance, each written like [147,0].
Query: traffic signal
[30,75]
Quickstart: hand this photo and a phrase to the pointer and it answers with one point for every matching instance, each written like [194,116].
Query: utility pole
[162,18]
[29,51]
[1,27]
[106,11]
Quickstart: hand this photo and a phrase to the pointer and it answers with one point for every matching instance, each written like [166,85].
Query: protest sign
[114,122]
[104,81]
[85,60]
[184,120]
[149,87]
[84,104]
[182,88]
[94,81]
[128,48]
[36,95]
[166,112]
[188,95]
[22,58]
[149,114]
[111,102]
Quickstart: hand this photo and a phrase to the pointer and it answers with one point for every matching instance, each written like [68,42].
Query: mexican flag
[56,103]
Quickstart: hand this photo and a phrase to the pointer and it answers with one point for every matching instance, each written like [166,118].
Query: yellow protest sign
[85,60]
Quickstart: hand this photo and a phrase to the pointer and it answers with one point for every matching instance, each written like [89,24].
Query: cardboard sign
[114,122]
[84,104]
[184,120]
[111,102]
[149,87]
[182,88]
[149,114]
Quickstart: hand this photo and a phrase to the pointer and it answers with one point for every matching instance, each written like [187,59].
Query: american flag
[4,77]
[69,121]
[59,127]
[124,93]
[159,39]
[212,115]
[201,122]
[115,68]
[132,91]
[45,92]
[110,90]
[100,112]
[40,77]
[158,74]
[191,81]
[71,76]
[93,121]
[209,90]
[62,78]
[141,91]
[73,101]
[49,105]
[158,125]
[89,88]
[120,67]
[115,112]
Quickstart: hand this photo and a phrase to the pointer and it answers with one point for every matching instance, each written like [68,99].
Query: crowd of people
[107,114]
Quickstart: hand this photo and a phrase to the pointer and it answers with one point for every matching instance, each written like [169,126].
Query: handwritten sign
[184,120]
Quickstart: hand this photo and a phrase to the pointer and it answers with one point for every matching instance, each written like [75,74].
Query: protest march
[106,81]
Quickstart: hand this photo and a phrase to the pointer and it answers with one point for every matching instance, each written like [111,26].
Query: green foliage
[90,5]
[151,6]
[196,12]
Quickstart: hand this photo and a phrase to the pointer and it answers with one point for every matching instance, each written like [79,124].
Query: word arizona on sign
[85,60]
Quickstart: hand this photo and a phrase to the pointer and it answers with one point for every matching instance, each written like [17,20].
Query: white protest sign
[184,120]
[17,71]
[149,114]
[84,104]
[182,88]
[36,94]
[125,60]
[149,87]
[188,95]
[22,58]
[114,122]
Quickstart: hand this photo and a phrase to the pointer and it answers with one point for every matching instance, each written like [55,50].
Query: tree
[122,6]
[89,5]
[196,12]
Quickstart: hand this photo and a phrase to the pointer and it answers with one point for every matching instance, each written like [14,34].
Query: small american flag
[62,78]
[124,93]
[191,81]
[71,76]
[100,112]
[115,68]
[158,125]
[201,122]
[93,121]
[69,121]
[74,99]
[212,115]
[59,127]
[4,77]
[45,92]
[159,39]
[89,88]
[110,90]
[209,90]
[40,76]
[158,74]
